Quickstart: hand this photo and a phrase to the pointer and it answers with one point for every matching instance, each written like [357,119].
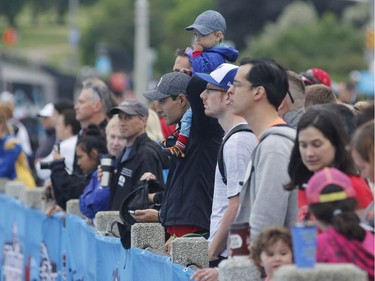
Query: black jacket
[188,195]
[146,156]
[65,186]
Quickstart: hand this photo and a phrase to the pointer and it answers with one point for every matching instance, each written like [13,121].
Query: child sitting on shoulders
[208,53]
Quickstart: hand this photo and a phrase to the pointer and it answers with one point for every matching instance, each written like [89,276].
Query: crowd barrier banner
[30,241]
[35,247]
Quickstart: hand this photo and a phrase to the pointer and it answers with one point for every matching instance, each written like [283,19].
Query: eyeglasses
[215,90]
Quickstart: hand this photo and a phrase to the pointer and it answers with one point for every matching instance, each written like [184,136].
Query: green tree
[10,9]
[328,44]
[248,17]
[114,25]
[174,35]
[37,7]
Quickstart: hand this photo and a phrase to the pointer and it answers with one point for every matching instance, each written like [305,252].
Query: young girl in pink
[332,200]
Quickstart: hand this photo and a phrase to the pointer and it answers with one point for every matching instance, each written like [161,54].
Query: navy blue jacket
[190,184]
[208,60]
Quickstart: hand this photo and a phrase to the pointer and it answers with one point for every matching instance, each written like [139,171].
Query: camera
[51,164]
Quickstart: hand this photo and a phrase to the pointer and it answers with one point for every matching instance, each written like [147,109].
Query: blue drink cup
[304,245]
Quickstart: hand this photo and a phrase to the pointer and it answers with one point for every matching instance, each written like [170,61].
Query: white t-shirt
[67,150]
[236,154]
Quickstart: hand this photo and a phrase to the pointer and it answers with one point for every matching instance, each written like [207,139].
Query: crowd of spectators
[253,143]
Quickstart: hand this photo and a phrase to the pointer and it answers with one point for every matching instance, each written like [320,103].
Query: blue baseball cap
[222,76]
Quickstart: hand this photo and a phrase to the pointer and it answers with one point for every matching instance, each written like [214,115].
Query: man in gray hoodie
[259,87]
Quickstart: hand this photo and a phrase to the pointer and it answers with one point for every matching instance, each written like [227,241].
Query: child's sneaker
[163,143]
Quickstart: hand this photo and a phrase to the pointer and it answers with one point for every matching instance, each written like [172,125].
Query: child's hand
[198,47]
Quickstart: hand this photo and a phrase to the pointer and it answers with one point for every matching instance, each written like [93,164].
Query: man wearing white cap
[48,122]
[234,155]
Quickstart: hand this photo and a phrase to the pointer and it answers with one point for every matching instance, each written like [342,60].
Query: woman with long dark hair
[322,142]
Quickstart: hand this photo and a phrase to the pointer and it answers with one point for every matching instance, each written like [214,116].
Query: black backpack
[135,200]
[220,157]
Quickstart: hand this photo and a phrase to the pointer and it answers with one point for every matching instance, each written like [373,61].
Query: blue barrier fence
[35,247]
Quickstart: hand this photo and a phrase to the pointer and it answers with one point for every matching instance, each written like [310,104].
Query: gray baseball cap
[169,85]
[131,107]
[208,22]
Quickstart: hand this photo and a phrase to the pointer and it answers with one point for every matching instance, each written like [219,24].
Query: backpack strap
[220,155]
[260,141]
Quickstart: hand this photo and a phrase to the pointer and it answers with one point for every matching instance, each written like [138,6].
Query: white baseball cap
[47,110]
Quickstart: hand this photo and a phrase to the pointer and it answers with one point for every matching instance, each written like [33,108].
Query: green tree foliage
[179,15]
[248,17]
[59,7]
[37,8]
[114,25]
[111,23]
[10,9]
[327,43]
[358,15]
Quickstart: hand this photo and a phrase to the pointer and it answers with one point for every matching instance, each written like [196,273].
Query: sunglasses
[290,95]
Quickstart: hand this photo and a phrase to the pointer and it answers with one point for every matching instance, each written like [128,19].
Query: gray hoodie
[264,202]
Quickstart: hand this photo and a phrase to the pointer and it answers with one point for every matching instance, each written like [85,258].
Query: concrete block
[3,182]
[15,189]
[33,198]
[321,271]
[190,250]
[239,268]
[105,220]
[72,207]
[147,235]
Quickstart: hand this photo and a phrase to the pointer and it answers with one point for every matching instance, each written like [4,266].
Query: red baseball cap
[316,76]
